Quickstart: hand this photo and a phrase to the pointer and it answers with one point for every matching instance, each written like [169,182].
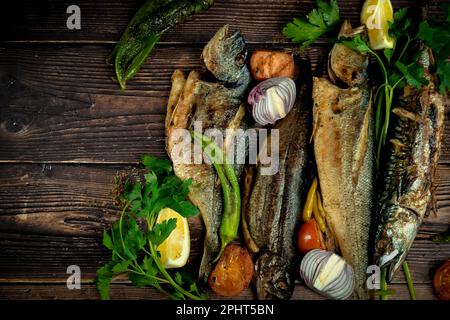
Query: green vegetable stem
[230,188]
[134,249]
[149,23]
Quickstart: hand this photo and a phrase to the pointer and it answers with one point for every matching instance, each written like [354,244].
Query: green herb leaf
[158,166]
[435,33]
[401,25]
[178,278]
[107,241]
[388,54]
[357,43]
[320,21]
[141,281]
[161,231]
[121,266]
[413,74]
[330,12]
[104,277]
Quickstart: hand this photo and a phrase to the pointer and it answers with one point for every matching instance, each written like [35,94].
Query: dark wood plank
[102,20]
[58,103]
[128,292]
[52,216]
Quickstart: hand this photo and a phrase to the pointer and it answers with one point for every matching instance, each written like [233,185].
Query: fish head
[346,65]
[273,279]
[395,238]
[225,56]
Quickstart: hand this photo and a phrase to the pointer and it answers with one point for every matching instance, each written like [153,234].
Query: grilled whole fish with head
[343,146]
[272,203]
[216,106]
[412,157]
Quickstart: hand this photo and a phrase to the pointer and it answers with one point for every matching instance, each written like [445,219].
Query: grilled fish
[412,157]
[344,152]
[216,105]
[272,203]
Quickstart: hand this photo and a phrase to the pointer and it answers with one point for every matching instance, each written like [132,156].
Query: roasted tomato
[441,281]
[310,237]
[233,272]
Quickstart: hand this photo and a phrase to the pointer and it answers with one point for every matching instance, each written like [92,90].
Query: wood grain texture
[123,291]
[101,20]
[58,103]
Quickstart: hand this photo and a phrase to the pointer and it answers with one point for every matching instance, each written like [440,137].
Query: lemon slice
[375,15]
[175,249]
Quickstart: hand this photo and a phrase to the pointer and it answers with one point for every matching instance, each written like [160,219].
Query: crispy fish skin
[412,158]
[216,106]
[273,204]
[344,152]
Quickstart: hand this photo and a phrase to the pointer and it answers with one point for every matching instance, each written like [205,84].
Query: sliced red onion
[272,99]
[328,274]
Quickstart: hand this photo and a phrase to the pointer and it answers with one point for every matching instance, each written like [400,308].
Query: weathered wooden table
[66,129]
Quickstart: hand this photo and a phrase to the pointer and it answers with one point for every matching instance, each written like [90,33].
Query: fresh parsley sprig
[320,21]
[398,67]
[135,237]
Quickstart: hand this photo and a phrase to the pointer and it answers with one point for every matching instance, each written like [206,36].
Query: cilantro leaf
[134,240]
[330,12]
[319,22]
[388,54]
[435,33]
[107,241]
[357,43]
[402,24]
[413,74]
[161,231]
[121,266]
[140,280]
[103,281]
[158,166]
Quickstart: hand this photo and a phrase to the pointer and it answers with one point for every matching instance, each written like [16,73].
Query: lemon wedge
[375,15]
[175,249]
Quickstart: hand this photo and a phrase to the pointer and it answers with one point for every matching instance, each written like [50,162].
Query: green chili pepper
[230,189]
[145,29]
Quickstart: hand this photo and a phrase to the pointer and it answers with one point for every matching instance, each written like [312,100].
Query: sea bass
[214,105]
[344,152]
[272,203]
[412,156]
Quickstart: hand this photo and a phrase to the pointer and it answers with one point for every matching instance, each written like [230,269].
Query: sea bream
[344,151]
[216,105]
[412,155]
[272,203]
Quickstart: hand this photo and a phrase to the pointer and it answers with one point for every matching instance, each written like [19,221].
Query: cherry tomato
[441,281]
[310,237]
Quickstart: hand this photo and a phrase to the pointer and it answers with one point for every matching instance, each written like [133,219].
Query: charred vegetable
[149,23]
[441,281]
[266,64]
[233,272]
